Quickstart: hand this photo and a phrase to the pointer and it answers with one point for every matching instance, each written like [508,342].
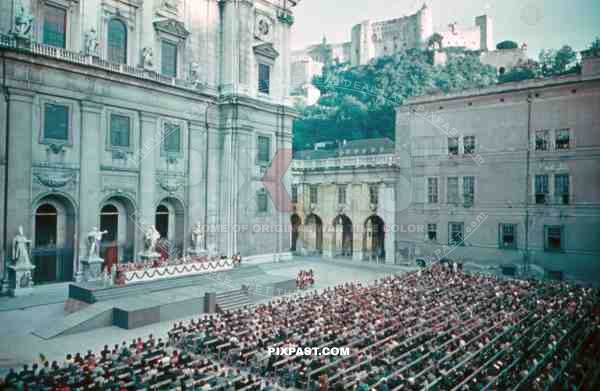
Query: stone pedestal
[20,279]
[91,268]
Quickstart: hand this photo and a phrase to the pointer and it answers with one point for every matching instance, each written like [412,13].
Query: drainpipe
[527,184]
[6,248]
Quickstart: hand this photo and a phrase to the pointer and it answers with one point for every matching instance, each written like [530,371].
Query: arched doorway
[116,217]
[54,234]
[313,235]
[296,224]
[374,239]
[169,221]
[342,236]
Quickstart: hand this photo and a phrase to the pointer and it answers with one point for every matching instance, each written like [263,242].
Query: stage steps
[232,300]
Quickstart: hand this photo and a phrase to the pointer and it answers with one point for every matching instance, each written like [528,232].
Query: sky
[542,24]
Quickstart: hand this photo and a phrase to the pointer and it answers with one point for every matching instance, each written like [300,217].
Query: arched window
[117,41]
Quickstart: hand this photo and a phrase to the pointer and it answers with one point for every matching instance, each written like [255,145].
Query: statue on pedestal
[94,237]
[147,58]
[21,249]
[20,272]
[197,238]
[151,237]
[91,43]
[23,23]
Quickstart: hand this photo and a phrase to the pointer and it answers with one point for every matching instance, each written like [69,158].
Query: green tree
[558,62]
[507,45]
[359,102]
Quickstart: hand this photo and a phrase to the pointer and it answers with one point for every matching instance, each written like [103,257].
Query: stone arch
[117,216]
[313,235]
[374,239]
[342,236]
[170,223]
[53,240]
[296,223]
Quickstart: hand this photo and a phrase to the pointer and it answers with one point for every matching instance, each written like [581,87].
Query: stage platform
[139,304]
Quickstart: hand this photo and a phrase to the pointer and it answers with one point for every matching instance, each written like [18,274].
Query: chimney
[590,63]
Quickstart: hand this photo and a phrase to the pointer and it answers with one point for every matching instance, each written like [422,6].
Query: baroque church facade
[119,114]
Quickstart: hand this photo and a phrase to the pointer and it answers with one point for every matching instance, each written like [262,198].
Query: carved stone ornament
[172,27]
[170,184]
[54,180]
[266,50]
[263,28]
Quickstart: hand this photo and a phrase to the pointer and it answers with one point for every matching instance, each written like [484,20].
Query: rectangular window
[452,146]
[341,194]
[264,78]
[561,188]
[261,200]
[172,138]
[373,194]
[295,194]
[432,190]
[468,190]
[314,194]
[455,234]
[469,144]
[56,122]
[168,59]
[553,238]
[563,138]
[542,138]
[55,23]
[119,130]
[541,188]
[264,149]
[452,190]
[508,236]
[432,232]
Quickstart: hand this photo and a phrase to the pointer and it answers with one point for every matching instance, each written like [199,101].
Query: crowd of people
[436,329]
[305,279]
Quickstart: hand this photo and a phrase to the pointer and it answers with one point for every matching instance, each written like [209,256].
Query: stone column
[386,210]
[21,137]
[196,180]
[90,179]
[150,144]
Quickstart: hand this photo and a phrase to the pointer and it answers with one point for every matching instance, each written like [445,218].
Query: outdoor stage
[143,303]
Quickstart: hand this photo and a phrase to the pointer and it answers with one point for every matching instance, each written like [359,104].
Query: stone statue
[23,23]
[91,43]
[20,249]
[151,237]
[195,75]
[147,57]
[94,237]
[171,5]
[197,237]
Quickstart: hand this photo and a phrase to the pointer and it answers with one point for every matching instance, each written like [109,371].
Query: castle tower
[362,43]
[425,24]
[486,38]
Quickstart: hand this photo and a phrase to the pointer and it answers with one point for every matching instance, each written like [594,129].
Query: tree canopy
[507,45]
[358,102]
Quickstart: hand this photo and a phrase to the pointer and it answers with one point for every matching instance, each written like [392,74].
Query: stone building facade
[124,113]
[509,173]
[344,201]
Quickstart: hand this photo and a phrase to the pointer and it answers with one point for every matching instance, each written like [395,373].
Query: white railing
[347,161]
[36,48]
